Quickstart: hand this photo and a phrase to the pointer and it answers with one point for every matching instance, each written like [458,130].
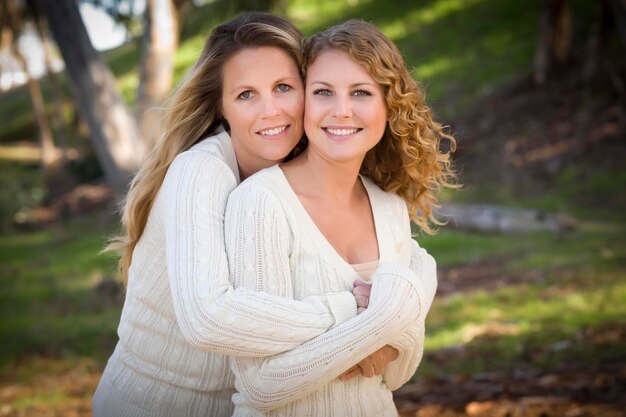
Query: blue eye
[322,92]
[283,88]
[246,95]
[361,93]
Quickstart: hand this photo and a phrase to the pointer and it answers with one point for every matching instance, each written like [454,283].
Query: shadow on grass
[58,296]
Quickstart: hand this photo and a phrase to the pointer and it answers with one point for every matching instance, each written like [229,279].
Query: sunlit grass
[582,287]
[311,16]
[450,247]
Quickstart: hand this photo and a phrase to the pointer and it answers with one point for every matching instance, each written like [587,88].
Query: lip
[274,131]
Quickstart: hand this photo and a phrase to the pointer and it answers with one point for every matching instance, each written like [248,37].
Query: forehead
[336,65]
[262,63]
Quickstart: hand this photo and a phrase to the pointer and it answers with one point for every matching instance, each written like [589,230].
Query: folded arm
[259,225]
[410,343]
[210,312]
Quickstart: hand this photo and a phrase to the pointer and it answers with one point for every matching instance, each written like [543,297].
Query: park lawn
[58,322]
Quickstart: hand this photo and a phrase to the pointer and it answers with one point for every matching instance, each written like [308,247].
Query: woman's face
[345,112]
[263,102]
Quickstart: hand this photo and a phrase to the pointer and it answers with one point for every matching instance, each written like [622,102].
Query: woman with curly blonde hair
[342,208]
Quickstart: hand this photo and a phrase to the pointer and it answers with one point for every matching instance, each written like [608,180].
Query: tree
[160,41]
[161,33]
[555,38]
[114,132]
[555,34]
[13,20]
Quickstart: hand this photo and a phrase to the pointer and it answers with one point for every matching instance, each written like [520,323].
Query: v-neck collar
[383,238]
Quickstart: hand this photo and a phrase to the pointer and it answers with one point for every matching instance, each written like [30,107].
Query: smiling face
[345,112]
[263,102]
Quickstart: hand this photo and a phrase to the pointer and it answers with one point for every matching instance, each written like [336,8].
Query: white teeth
[341,132]
[274,131]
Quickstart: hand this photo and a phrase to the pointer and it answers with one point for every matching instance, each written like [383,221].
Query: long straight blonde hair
[409,160]
[193,113]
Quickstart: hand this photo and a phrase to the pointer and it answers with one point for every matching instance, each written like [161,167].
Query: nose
[342,107]
[270,107]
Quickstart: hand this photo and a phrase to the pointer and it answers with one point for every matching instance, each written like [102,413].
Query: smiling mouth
[273,131]
[342,132]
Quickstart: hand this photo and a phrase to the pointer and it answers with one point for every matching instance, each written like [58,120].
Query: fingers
[372,365]
[361,301]
[361,292]
[367,368]
[351,373]
[376,363]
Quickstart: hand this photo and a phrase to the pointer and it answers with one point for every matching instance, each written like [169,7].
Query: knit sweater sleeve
[211,314]
[271,382]
[410,343]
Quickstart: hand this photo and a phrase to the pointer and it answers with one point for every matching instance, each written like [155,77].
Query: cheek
[380,117]
[312,111]
[297,106]
[311,120]
[230,114]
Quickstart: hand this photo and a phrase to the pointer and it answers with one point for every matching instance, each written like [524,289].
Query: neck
[332,180]
[243,172]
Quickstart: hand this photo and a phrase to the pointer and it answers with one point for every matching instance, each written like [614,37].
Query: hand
[372,365]
[361,292]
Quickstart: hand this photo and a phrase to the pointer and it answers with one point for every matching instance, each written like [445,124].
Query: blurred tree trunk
[57,92]
[618,10]
[156,67]
[610,16]
[12,13]
[555,35]
[49,160]
[114,132]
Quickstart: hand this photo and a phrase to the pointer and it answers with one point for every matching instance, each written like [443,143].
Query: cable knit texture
[274,246]
[181,314]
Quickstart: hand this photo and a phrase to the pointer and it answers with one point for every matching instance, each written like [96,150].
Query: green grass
[51,307]
[540,323]
[452,247]
[48,293]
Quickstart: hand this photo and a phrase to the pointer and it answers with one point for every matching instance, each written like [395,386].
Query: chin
[277,155]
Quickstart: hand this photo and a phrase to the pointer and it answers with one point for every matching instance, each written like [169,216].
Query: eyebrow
[249,87]
[355,85]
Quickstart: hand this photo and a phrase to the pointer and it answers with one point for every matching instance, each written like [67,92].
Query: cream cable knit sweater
[274,246]
[181,314]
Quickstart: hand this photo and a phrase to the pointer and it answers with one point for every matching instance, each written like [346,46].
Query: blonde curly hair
[193,113]
[409,159]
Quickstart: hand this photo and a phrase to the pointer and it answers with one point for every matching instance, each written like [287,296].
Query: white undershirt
[365,269]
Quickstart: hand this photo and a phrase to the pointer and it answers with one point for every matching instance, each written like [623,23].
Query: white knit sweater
[181,313]
[274,246]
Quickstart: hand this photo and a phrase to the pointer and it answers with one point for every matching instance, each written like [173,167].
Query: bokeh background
[530,315]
